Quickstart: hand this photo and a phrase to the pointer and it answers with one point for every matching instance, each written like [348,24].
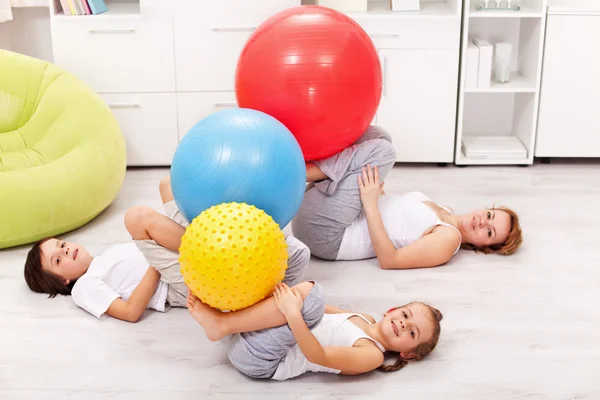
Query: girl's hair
[422,350]
[41,281]
[512,242]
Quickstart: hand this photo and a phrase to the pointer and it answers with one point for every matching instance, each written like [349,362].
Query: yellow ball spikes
[232,255]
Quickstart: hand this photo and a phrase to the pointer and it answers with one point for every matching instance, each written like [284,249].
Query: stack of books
[83,7]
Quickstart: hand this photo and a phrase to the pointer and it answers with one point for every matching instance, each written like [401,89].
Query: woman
[345,215]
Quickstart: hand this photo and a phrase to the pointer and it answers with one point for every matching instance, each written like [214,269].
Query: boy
[130,277]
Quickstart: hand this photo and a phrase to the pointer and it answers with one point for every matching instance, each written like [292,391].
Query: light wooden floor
[527,326]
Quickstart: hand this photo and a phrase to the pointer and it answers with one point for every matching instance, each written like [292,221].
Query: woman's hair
[41,281]
[512,242]
[423,349]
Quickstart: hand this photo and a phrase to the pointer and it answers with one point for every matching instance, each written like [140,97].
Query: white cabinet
[418,104]
[419,56]
[149,124]
[163,66]
[192,107]
[569,122]
[117,55]
[210,35]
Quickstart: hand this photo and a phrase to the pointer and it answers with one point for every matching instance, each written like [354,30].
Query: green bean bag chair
[62,154]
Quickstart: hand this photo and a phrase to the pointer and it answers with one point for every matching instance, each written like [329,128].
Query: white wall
[28,33]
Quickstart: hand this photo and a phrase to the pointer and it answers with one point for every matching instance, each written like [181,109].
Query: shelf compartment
[498,128]
[517,84]
[526,11]
[116,9]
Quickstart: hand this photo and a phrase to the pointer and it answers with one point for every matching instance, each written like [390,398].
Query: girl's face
[406,327]
[67,260]
[485,227]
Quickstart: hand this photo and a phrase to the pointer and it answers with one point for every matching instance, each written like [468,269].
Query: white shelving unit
[497,125]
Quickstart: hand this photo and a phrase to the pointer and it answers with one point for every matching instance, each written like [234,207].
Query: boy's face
[67,260]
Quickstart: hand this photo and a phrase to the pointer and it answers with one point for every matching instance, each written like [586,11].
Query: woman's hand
[370,188]
[289,301]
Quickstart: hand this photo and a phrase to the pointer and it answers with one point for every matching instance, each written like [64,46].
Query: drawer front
[411,33]
[149,124]
[192,107]
[117,55]
[209,40]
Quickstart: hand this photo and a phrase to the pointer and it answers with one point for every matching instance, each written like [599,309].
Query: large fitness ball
[232,256]
[239,155]
[316,71]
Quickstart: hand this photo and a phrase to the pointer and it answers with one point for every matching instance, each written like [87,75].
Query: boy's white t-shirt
[116,273]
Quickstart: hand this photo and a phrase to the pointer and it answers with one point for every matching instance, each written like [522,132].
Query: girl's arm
[351,360]
[132,309]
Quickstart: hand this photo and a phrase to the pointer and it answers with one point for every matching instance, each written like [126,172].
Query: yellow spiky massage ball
[232,255]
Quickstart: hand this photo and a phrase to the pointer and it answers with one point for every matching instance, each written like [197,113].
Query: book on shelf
[83,7]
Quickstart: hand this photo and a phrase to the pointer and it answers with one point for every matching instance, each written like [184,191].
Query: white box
[344,5]
[405,5]
[486,55]
[493,148]
[471,65]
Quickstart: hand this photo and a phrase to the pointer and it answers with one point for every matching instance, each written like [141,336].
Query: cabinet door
[209,37]
[117,55]
[418,103]
[149,124]
[569,122]
[193,107]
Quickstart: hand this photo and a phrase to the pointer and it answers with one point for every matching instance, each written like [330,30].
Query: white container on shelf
[472,65]
[344,5]
[502,62]
[405,5]
[486,53]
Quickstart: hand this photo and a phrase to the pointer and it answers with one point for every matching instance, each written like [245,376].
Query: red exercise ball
[316,71]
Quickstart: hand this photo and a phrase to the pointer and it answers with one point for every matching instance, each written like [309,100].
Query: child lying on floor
[128,278]
[294,332]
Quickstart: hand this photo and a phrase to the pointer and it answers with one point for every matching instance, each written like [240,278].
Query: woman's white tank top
[406,218]
[333,330]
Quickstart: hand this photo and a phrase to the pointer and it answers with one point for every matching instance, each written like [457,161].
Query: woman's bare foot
[209,318]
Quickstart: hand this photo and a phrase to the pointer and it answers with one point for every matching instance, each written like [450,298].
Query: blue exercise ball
[239,155]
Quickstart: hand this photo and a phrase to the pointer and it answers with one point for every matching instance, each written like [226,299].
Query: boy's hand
[289,301]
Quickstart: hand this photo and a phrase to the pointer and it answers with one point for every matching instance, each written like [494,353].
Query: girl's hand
[369,186]
[289,301]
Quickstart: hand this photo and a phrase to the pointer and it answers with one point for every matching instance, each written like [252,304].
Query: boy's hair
[41,281]
[512,242]
[424,349]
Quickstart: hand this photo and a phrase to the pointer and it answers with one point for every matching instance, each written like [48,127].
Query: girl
[130,277]
[345,215]
[317,337]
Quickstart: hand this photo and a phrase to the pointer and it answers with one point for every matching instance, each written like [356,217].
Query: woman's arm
[430,250]
[132,309]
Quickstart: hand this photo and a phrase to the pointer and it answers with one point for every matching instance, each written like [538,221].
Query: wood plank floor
[526,326]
